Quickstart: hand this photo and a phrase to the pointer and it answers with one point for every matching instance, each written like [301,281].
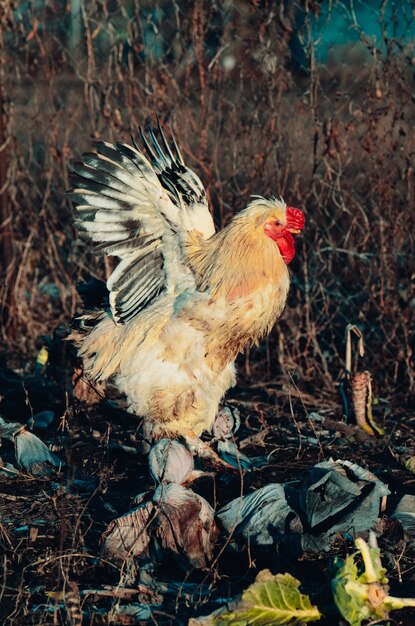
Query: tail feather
[94,295]
[97,339]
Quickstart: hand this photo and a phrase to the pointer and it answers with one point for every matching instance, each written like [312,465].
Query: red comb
[295,218]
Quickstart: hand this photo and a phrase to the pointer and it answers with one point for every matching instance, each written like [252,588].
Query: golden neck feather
[236,261]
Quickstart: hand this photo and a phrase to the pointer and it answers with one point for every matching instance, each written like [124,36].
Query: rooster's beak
[294,231]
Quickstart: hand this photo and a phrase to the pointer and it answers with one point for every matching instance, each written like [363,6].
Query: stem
[370,572]
[6,240]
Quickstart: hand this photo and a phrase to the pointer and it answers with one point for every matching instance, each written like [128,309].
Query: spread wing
[183,186]
[139,210]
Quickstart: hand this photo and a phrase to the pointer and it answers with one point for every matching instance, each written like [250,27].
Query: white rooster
[183,300]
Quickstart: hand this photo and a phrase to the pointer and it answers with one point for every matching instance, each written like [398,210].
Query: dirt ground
[51,528]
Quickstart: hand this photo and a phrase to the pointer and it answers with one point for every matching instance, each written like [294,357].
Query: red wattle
[286,246]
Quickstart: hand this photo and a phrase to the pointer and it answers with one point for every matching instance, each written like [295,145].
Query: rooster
[183,300]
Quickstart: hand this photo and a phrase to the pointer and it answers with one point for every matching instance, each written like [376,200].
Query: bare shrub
[335,139]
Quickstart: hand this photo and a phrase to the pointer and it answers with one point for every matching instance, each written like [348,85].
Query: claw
[204,451]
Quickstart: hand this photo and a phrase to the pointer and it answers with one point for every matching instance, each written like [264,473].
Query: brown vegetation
[337,142]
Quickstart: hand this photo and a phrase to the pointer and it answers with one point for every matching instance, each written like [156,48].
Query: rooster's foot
[205,452]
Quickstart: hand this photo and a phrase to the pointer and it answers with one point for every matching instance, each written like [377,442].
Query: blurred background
[314,101]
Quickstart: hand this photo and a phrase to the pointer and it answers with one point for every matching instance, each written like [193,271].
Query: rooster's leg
[204,451]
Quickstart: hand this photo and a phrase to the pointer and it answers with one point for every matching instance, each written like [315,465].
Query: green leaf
[271,600]
[364,597]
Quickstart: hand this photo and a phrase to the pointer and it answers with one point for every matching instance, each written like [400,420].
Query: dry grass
[333,140]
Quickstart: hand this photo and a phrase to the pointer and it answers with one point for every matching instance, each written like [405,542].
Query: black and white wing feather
[137,211]
[183,186]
